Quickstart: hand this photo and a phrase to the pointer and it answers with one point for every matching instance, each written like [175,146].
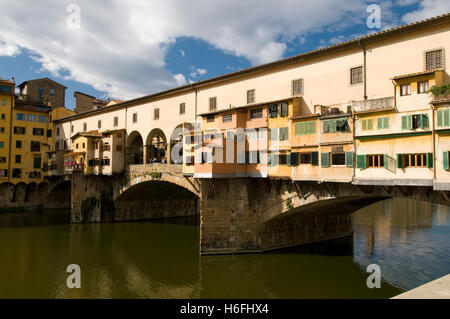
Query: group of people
[159,160]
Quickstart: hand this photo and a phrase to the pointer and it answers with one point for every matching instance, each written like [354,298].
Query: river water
[409,240]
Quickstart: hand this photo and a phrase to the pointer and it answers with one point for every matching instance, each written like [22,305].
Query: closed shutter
[326,126]
[315,158]
[380,123]
[312,127]
[410,122]
[241,158]
[370,124]
[284,109]
[298,128]
[404,122]
[294,159]
[325,159]
[273,134]
[424,122]
[430,160]
[364,125]
[440,118]
[446,161]
[349,159]
[361,161]
[399,161]
[446,117]
[385,122]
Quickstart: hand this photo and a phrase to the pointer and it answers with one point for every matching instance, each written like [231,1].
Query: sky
[126,49]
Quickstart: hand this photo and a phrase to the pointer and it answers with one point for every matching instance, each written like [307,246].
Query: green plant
[439,90]
[156,175]
[289,204]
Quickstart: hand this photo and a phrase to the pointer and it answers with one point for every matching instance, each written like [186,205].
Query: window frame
[251,96]
[355,80]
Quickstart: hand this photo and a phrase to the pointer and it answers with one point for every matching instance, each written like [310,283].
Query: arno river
[409,240]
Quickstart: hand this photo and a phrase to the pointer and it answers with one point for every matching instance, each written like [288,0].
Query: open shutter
[410,122]
[200,158]
[288,159]
[270,161]
[399,161]
[385,161]
[349,159]
[315,158]
[430,160]
[446,161]
[424,122]
[325,159]
[404,122]
[294,159]
[361,161]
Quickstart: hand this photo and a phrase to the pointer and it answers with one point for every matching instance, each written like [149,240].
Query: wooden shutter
[446,161]
[380,123]
[446,117]
[430,160]
[385,122]
[288,159]
[424,123]
[349,159]
[399,160]
[326,126]
[325,159]
[364,125]
[315,158]
[369,124]
[270,161]
[404,122]
[361,161]
[440,118]
[312,127]
[385,161]
[294,159]
[410,122]
[298,129]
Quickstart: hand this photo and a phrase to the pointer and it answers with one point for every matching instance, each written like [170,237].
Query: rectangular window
[31,118]
[356,75]
[57,131]
[2,144]
[18,159]
[16,173]
[156,114]
[134,117]
[49,133]
[273,134]
[284,133]
[367,124]
[18,144]
[273,110]
[41,93]
[84,127]
[210,118]
[38,131]
[2,159]
[106,162]
[212,103]
[250,96]
[3,173]
[99,124]
[443,117]
[3,102]
[116,121]
[37,162]
[42,118]
[405,89]
[182,108]
[305,128]
[20,116]
[375,160]
[414,160]
[297,87]
[337,125]
[305,158]
[338,159]
[2,129]
[52,91]
[382,123]
[284,109]
[71,129]
[227,118]
[35,146]
[257,113]
[434,60]
[19,130]
[422,87]
[3,116]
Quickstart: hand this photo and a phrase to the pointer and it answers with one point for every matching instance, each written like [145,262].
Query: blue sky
[158,45]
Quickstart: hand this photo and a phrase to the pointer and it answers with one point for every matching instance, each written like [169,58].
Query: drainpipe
[365,72]
[433,132]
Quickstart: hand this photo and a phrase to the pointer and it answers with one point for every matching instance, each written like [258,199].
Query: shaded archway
[176,143]
[134,150]
[156,147]
[162,200]
[60,195]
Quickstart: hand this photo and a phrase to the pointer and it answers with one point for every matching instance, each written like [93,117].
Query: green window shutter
[349,159]
[370,124]
[315,158]
[446,117]
[385,161]
[430,160]
[294,159]
[270,161]
[288,159]
[399,161]
[325,159]
[424,123]
[273,134]
[312,127]
[333,126]
[302,128]
[380,123]
[364,125]
[440,118]
[280,134]
[297,129]
[361,161]
[404,122]
[386,122]
[326,126]
[446,161]
[306,128]
[410,120]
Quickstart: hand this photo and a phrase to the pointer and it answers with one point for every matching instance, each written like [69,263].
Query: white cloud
[121,46]
[202,71]
[427,9]
[183,54]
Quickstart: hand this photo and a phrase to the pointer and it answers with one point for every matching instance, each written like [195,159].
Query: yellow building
[6,102]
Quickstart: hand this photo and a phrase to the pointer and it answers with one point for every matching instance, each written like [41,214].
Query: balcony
[374,105]
[441,99]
